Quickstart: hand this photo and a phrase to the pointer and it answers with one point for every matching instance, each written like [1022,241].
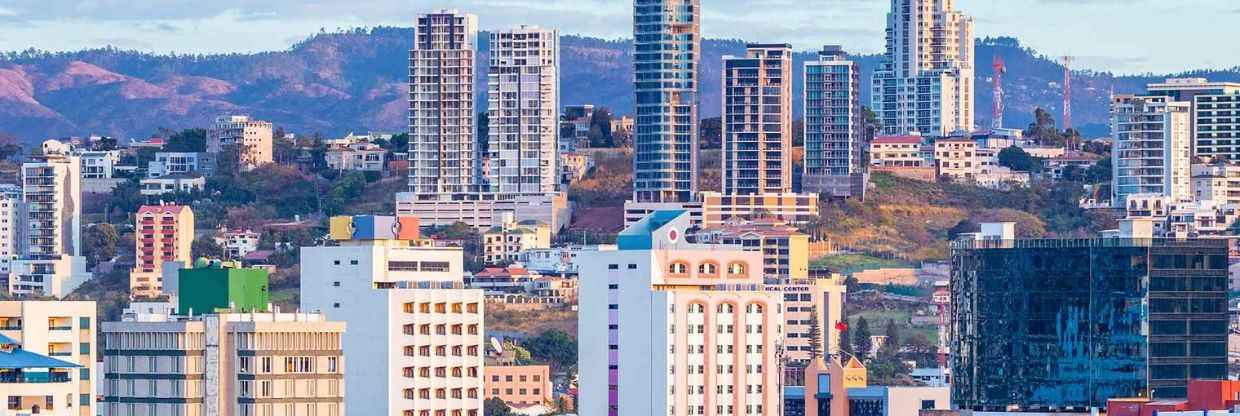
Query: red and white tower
[996,119]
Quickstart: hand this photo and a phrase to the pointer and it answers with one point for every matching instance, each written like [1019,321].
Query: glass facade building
[667,48]
[1054,324]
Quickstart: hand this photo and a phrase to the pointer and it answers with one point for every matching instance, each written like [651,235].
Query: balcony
[18,376]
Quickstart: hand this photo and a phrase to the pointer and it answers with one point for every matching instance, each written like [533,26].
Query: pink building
[686,328]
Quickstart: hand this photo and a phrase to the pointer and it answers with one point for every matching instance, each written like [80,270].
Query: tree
[872,123]
[188,140]
[496,407]
[601,118]
[1017,159]
[99,243]
[893,336]
[815,334]
[964,226]
[1099,172]
[861,343]
[206,246]
[919,348]
[1043,129]
[520,354]
[555,347]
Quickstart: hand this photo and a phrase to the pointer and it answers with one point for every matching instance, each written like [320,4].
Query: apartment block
[834,129]
[523,103]
[757,120]
[1215,108]
[813,310]
[360,156]
[670,327]
[956,158]
[667,48]
[518,385]
[575,124]
[98,164]
[163,233]
[239,364]
[552,209]
[1143,314]
[50,261]
[505,243]
[180,163]
[1152,147]
[785,251]
[792,208]
[925,81]
[49,352]
[250,138]
[1217,181]
[415,344]
[12,213]
[443,155]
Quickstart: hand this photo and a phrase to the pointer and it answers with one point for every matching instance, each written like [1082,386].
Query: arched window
[678,267]
[737,269]
[708,269]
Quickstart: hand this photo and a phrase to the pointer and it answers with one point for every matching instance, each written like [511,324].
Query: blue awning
[20,358]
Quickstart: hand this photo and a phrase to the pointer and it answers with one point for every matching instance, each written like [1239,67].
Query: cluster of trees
[892,362]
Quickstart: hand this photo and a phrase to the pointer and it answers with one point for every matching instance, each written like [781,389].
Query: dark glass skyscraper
[1070,323]
[667,48]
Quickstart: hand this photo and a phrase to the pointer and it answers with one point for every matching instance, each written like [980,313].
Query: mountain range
[334,83]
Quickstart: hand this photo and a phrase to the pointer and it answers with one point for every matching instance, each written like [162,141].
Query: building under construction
[1064,324]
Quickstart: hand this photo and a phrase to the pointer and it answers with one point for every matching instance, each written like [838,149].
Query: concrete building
[956,158]
[523,103]
[902,156]
[12,214]
[1215,132]
[180,163]
[50,261]
[505,242]
[250,138]
[896,401]
[237,243]
[667,49]
[163,233]
[813,311]
[574,166]
[229,363]
[575,125]
[669,327]
[443,155]
[360,156]
[171,184]
[1019,305]
[834,129]
[552,209]
[1152,147]
[785,251]
[757,121]
[518,385]
[415,344]
[98,164]
[47,357]
[791,208]
[925,82]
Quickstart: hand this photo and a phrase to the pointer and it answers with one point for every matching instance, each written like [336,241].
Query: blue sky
[1123,36]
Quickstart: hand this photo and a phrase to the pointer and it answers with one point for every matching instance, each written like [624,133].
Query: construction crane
[996,119]
[1067,92]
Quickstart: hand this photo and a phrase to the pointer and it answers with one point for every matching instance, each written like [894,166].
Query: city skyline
[60,25]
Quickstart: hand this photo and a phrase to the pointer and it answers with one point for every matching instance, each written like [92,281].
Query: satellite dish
[495,345]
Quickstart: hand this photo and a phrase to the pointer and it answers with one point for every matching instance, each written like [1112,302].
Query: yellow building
[503,243]
[785,251]
[162,233]
[855,374]
[792,208]
[47,355]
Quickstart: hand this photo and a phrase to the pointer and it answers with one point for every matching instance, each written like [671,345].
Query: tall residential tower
[523,101]
[443,156]
[667,48]
[925,83]
[834,130]
[757,120]
[50,261]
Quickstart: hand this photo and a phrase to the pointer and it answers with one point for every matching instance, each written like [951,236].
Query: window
[403,266]
[678,267]
[84,322]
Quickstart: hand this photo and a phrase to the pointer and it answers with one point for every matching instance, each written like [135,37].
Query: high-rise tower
[925,82]
[443,157]
[834,130]
[667,47]
[757,120]
[523,100]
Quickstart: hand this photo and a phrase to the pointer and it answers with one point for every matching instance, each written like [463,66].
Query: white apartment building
[834,129]
[360,156]
[1152,148]
[50,262]
[956,157]
[415,343]
[12,212]
[180,163]
[234,364]
[523,103]
[443,157]
[505,242]
[171,184]
[757,120]
[50,349]
[482,213]
[1216,181]
[98,164]
[667,51]
[925,82]
[251,138]
[1216,113]
[669,327]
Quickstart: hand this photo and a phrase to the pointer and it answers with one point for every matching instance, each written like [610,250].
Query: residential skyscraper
[443,155]
[834,126]
[925,82]
[50,262]
[1072,323]
[523,101]
[164,233]
[415,343]
[670,327]
[252,140]
[1152,148]
[1215,129]
[667,48]
[757,121]
[47,357]
[12,213]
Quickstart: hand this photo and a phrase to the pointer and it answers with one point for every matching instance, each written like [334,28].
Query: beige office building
[59,330]
[227,364]
[251,138]
[757,120]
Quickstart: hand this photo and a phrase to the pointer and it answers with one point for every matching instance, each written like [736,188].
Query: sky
[1121,36]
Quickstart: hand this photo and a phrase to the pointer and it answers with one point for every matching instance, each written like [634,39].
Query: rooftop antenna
[1067,94]
[996,120]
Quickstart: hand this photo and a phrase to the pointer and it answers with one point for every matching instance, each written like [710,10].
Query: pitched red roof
[897,139]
